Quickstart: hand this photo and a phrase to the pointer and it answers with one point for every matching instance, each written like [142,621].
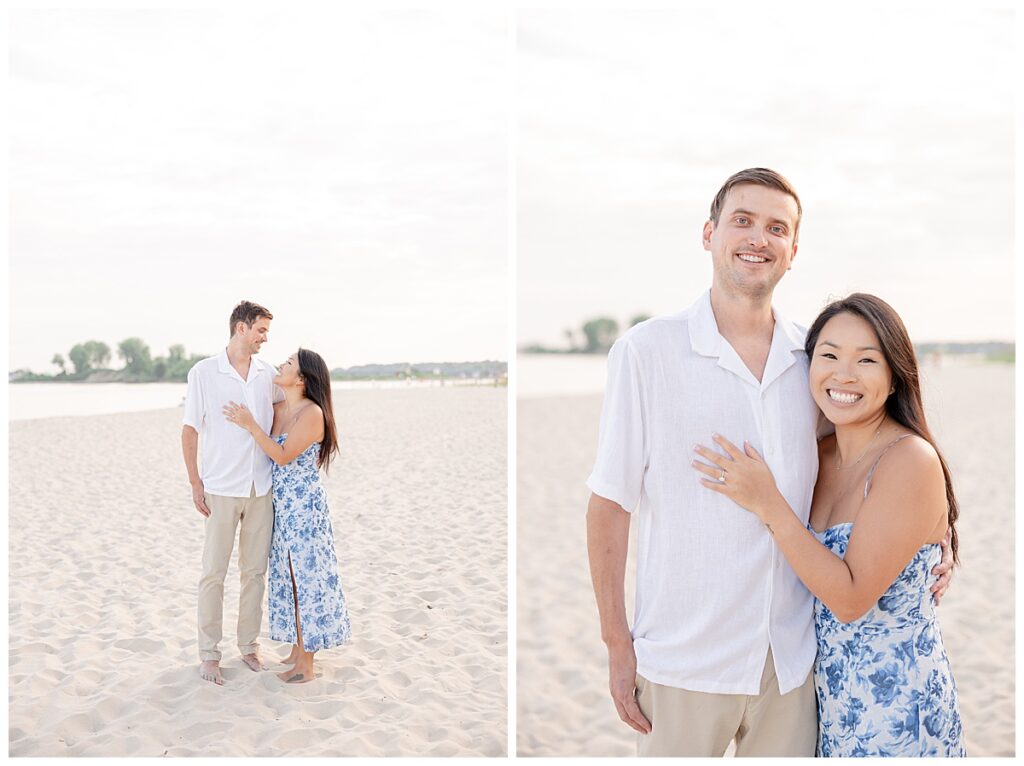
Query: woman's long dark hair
[317,378]
[904,405]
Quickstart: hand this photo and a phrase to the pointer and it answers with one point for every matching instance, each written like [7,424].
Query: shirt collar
[705,338]
[257,366]
[707,341]
[704,335]
[223,363]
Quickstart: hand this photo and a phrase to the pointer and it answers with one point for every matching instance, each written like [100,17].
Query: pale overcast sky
[896,127]
[346,170]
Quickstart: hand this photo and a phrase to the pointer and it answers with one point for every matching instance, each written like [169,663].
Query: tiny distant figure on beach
[735,435]
[233,490]
[306,604]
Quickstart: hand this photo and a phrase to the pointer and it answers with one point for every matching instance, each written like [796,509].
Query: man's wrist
[619,639]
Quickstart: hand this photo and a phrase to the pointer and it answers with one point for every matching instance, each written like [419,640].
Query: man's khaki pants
[256,515]
[685,723]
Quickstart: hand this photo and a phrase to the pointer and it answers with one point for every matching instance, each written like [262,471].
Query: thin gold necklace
[862,454]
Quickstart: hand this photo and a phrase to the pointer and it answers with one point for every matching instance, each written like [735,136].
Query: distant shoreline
[444,372]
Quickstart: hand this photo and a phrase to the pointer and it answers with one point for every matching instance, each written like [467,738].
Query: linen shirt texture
[231,463]
[713,591]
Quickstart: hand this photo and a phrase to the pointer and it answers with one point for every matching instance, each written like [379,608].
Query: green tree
[99,353]
[79,359]
[136,357]
[178,364]
[638,319]
[59,361]
[191,362]
[601,333]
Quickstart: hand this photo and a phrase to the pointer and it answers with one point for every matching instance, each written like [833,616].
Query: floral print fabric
[302,531]
[884,683]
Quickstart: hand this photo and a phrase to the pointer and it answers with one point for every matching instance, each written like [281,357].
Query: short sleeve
[195,404]
[619,468]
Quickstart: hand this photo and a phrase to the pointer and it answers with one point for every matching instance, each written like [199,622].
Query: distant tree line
[423,371]
[595,336]
[90,360]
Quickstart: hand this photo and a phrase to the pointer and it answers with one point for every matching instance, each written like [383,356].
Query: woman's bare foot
[302,672]
[209,670]
[293,656]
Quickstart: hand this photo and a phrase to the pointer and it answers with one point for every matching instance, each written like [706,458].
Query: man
[723,642]
[234,485]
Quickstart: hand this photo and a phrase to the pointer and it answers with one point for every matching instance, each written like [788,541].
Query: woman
[882,503]
[305,603]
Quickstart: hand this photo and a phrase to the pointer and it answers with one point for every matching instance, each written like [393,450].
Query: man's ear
[709,229]
[793,256]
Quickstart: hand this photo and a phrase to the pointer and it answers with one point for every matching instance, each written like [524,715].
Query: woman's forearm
[825,574]
[272,449]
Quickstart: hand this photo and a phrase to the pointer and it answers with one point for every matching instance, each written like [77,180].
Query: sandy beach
[104,554]
[564,707]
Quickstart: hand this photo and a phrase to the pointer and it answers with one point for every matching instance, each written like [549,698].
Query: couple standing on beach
[786,585]
[265,436]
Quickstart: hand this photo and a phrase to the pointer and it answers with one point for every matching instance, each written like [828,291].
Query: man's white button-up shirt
[231,462]
[713,591]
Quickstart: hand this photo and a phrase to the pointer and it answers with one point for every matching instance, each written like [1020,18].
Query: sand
[563,705]
[104,560]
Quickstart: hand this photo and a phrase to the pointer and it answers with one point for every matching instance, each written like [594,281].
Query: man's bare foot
[302,673]
[209,670]
[253,662]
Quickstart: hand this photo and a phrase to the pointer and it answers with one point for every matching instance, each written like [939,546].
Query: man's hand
[622,684]
[944,569]
[199,499]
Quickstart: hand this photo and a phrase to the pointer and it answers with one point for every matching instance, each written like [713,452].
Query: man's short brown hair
[759,177]
[247,312]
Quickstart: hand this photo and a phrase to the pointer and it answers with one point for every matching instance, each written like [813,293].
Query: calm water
[560,375]
[49,400]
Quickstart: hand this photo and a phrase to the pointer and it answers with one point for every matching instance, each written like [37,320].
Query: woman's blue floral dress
[302,530]
[884,683]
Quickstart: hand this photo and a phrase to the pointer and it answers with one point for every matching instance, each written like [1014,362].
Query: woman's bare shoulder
[912,455]
[311,410]
[908,467]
